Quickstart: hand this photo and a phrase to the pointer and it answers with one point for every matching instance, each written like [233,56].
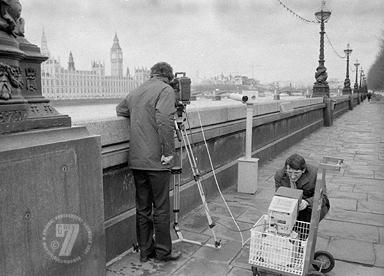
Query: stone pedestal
[22,105]
[347,91]
[51,202]
[247,175]
[320,90]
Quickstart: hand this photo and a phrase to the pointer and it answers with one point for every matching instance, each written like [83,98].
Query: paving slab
[379,255]
[195,221]
[372,186]
[359,173]
[381,231]
[252,215]
[345,194]
[371,206]
[225,254]
[379,174]
[198,266]
[355,217]
[131,266]
[351,269]
[352,251]
[353,231]
[226,229]
[376,196]
[347,204]
[218,209]
[236,271]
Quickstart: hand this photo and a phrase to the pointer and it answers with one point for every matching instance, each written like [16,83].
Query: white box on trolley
[283,210]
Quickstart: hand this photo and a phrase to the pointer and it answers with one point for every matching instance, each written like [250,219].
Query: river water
[97,112]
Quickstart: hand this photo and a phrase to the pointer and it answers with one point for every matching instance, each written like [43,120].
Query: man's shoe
[145,259]
[171,257]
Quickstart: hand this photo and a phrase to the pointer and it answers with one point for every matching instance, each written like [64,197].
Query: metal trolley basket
[276,252]
[293,254]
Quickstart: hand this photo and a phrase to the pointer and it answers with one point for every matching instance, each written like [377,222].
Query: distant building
[68,83]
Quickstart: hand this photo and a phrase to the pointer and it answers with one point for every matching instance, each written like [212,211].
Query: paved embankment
[353,230]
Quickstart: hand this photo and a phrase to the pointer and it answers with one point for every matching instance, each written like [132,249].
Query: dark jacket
[150,108]
[307,183]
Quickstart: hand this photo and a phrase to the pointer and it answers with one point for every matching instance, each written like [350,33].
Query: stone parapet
[224,131]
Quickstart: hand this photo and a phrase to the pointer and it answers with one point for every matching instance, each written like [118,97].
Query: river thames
[97,112]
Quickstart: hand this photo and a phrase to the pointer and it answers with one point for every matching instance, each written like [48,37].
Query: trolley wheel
[326,259]
[255,272]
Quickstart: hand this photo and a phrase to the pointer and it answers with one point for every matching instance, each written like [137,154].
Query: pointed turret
[44,45]
[71,63]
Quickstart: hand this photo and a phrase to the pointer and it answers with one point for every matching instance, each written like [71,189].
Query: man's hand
[166,160]
[303,204]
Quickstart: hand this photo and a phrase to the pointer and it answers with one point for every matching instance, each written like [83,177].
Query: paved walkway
[353,230]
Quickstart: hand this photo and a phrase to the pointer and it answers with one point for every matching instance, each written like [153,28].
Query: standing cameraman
[151,109]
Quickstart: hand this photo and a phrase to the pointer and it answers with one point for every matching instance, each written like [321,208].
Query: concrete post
[248,166]
[328,111]
[350,102]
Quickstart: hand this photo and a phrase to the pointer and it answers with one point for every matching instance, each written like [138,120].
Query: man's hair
[296,162]
[162,69]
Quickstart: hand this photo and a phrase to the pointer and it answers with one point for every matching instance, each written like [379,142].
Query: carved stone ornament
[321,75]
[30,75]
[9,79]
[10,20]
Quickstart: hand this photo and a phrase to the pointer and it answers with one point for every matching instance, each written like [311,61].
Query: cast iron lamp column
[361,76]
[347,83]
[356,87]
[320,87]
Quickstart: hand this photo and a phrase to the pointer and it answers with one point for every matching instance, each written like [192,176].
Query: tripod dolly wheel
[255,272]
[323,261]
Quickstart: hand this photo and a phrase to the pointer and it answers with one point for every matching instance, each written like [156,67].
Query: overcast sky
[257,38]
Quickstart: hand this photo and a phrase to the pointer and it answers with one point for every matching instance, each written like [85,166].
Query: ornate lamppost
[347,83]
[320,87]
[22,105]
[365,86]
[361,76]
[356,87]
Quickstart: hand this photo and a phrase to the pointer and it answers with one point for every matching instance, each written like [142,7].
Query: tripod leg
[176,171]
[196,175]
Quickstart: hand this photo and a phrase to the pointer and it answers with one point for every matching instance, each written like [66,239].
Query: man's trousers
[153,212]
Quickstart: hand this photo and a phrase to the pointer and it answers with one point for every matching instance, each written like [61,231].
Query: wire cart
[293,254]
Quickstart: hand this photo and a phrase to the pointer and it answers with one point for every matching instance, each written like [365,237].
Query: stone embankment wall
[276,126]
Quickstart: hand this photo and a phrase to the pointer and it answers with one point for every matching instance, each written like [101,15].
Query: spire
[71,63]
[116,45]
[44,45]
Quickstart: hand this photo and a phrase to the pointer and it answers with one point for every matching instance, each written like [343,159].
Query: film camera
[182,86]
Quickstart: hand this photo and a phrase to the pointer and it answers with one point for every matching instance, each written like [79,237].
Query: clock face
[113,55]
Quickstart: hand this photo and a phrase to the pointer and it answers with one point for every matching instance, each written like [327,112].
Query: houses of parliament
[59,82]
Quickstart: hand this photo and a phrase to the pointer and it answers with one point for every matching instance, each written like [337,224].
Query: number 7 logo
[70,232]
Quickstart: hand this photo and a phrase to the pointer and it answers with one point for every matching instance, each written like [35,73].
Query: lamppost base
[22,105]
[320,90]
[347,91]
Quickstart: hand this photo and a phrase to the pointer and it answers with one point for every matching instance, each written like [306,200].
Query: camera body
[182,86]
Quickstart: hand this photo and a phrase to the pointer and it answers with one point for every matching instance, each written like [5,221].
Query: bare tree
[376,71]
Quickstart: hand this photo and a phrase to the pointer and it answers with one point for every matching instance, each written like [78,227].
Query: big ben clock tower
[116,58]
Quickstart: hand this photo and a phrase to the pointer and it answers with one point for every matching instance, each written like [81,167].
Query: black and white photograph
[191,137]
